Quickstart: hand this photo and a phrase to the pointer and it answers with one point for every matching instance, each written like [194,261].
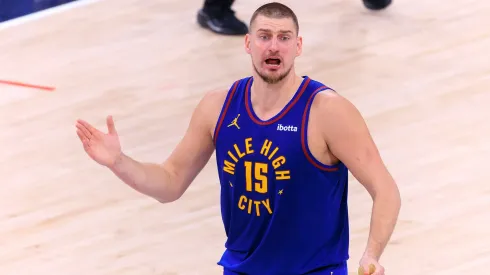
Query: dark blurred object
[376,4]
[46,4]
[218,16]
[11,9]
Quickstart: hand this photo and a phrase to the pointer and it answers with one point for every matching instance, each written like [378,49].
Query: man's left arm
[348,138]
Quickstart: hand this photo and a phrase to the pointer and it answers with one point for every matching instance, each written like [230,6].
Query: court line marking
[45,13]
[26,85]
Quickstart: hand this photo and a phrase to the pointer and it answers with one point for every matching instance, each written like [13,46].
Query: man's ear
[247,43]
[299,46]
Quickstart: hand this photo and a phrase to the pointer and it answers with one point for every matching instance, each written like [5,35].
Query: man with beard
[284,144]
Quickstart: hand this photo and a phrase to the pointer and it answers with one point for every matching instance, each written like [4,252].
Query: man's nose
[273,46]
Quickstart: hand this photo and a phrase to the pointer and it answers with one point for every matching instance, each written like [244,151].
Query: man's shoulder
[329,104]
[215,96]
[326,96]
[213,101]
[218,96]
[319,84]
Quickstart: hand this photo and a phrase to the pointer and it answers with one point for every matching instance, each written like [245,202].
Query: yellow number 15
[259,171]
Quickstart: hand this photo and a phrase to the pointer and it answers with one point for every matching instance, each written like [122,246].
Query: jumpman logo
[235,122]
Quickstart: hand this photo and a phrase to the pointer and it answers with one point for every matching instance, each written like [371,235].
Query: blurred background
[416,71]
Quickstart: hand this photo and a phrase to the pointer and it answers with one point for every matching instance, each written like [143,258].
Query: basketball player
[284,144]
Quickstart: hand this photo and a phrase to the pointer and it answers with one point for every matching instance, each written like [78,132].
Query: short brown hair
[276,10]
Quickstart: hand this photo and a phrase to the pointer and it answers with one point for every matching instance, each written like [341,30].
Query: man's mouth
[273,61]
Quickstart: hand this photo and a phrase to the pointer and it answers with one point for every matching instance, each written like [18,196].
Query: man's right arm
[168,181]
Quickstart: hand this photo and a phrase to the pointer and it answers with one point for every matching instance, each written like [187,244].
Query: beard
[272,79]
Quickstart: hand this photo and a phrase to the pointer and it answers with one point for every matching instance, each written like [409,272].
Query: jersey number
[259,172]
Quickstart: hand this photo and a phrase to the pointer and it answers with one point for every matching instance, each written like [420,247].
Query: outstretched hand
[104,148]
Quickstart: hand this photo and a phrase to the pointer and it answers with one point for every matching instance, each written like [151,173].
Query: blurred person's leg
[11,9]
[218,16]
[40,5]
[376,4]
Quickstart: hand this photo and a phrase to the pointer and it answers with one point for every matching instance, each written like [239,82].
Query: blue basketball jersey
[284,212]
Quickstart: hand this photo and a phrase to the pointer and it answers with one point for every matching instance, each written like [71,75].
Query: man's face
[273,45]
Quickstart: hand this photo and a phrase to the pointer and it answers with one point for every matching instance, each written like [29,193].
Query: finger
[379,271]
[85,141]
[362,271]
[89,127]
[371,270]
[81,136]
[84,131]
[110,126]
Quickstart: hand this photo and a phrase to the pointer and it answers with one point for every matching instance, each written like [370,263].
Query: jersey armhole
[224,109]
[304,135]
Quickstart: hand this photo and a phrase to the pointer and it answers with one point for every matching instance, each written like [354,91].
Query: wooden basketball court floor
[419,72]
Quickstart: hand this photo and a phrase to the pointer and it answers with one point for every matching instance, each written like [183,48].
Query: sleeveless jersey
[284,212]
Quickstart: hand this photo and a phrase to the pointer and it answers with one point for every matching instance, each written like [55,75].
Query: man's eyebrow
[268,30]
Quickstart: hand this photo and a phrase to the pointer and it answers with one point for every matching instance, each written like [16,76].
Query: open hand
[104,148]
[370,266]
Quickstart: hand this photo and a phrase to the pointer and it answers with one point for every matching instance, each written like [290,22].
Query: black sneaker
[224,23]
[376,4]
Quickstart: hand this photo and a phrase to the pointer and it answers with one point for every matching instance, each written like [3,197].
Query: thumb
[110,125]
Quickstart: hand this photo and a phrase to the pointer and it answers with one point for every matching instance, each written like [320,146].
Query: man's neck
[267,98]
